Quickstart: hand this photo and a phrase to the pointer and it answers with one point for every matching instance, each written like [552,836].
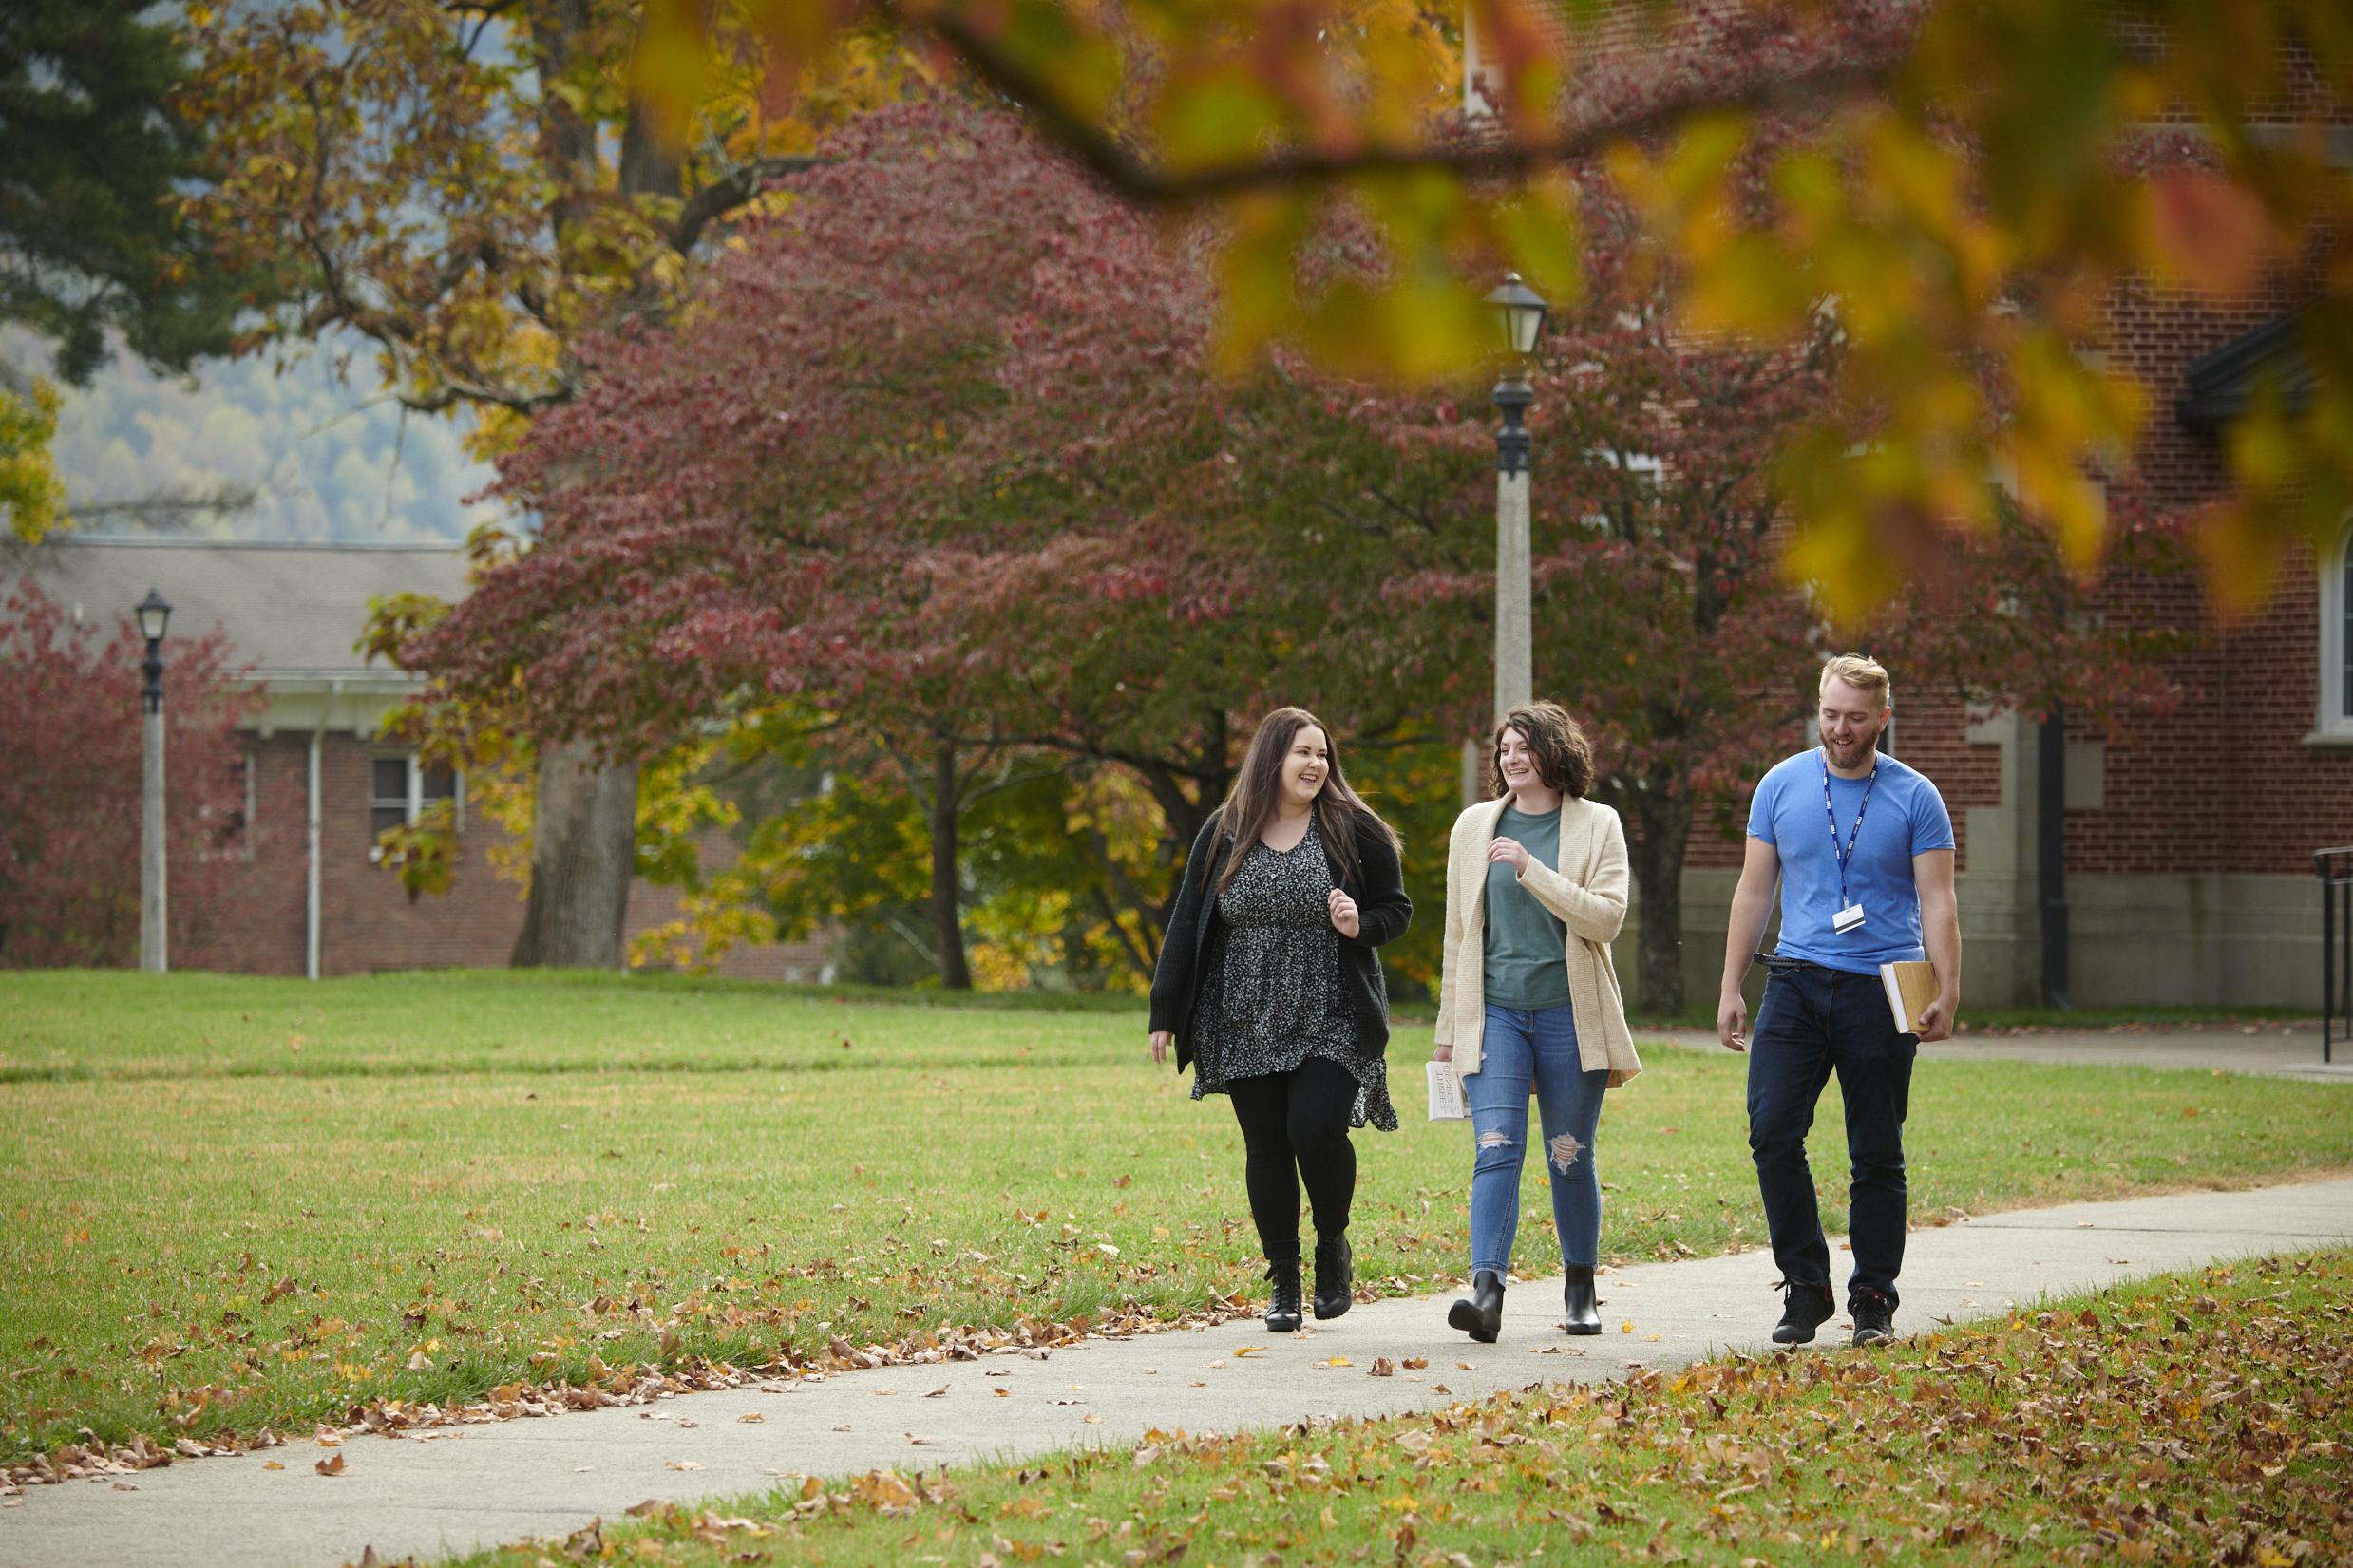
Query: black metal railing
[2335,869]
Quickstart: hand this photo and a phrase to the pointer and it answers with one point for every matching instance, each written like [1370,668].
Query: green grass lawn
[2188,1419]
[235,1203]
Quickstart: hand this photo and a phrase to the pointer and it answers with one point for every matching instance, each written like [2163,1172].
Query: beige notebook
[1446,1093]
[1911,986]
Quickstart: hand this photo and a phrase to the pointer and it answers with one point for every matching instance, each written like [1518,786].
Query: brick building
[320,782]
[2187,869]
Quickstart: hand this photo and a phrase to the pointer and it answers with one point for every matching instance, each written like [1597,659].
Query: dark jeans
[1295,1130]
[1814,1022]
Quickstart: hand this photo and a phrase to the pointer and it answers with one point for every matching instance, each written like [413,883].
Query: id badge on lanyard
[1850,916]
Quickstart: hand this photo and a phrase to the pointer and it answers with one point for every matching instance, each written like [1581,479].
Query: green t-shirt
[1526,944]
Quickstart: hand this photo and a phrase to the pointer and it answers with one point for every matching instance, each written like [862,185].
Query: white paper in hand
[1446,1093]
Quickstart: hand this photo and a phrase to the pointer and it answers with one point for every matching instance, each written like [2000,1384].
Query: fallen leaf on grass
[1382,1367]
[682,1464]
[1414,1363]
[330,1466]
[751,1418]
[1250,1349]
[940,1392]
[1337,1361]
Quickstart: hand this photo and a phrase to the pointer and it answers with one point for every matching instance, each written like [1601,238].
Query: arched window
[2336,639]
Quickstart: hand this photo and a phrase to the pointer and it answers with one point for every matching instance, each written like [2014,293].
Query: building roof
[2221,386]
[293,611]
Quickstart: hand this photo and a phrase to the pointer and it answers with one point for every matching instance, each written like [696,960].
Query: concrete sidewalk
[464,1487]
[2290,1050]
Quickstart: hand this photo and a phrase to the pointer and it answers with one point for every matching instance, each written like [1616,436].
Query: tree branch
[728,192]
[1517,157]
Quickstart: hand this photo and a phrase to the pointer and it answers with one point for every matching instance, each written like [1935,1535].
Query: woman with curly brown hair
[1269,985]
[1535,892]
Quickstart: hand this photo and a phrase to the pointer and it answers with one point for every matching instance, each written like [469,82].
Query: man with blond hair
[1863,849]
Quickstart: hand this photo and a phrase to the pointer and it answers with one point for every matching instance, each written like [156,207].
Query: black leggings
[1296,1121]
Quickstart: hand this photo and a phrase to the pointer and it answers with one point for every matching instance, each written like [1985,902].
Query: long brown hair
[1258,790]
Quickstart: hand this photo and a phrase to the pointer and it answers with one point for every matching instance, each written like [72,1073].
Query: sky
[327,456]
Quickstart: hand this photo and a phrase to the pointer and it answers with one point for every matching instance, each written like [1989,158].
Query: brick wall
[367,920]
[2226,784]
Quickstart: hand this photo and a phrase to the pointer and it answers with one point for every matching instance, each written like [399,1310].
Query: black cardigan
[1383,911]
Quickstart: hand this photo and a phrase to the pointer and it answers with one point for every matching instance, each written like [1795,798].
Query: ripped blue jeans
[1519,1050]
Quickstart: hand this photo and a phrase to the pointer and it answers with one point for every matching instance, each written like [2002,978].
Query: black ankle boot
[1578,1300]
[1481,1316]
[1283,1309]
[1335,1275]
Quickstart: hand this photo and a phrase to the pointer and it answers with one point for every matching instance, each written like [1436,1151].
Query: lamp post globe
[1520,310]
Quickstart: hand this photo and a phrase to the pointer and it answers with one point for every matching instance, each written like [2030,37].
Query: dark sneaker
[1807,1307]
[1874,1316]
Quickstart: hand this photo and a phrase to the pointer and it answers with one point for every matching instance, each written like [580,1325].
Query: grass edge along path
[2197,1417]
[531,1263]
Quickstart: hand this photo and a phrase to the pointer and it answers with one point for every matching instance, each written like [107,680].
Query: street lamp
[1520,312]
[1520,315]
[154,614]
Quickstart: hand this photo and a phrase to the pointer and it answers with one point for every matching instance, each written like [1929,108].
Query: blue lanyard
[1848,854]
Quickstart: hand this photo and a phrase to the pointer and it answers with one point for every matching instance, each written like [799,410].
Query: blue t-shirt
[1906,816]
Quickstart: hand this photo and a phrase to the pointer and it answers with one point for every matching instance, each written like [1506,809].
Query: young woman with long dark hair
[1270,986]
[1527,998]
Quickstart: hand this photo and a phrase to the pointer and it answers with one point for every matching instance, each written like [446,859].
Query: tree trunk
[583,852]
[946,897]
[1662,828]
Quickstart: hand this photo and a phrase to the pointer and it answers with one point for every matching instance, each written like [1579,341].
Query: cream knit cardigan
[1587,891]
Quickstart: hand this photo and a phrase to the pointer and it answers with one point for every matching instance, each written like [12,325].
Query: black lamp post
[154,614]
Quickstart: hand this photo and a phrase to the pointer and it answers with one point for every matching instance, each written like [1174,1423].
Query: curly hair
[1563,756]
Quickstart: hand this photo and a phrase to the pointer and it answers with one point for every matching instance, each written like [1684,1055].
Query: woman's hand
[1344,914]
[1442,1053]
[1511,852]
[1162,1040]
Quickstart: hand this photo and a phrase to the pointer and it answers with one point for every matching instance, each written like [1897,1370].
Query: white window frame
[2333,723]
[1640,464]
[415,802]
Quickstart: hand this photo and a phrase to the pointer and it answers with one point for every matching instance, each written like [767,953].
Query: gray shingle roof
[293,609]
